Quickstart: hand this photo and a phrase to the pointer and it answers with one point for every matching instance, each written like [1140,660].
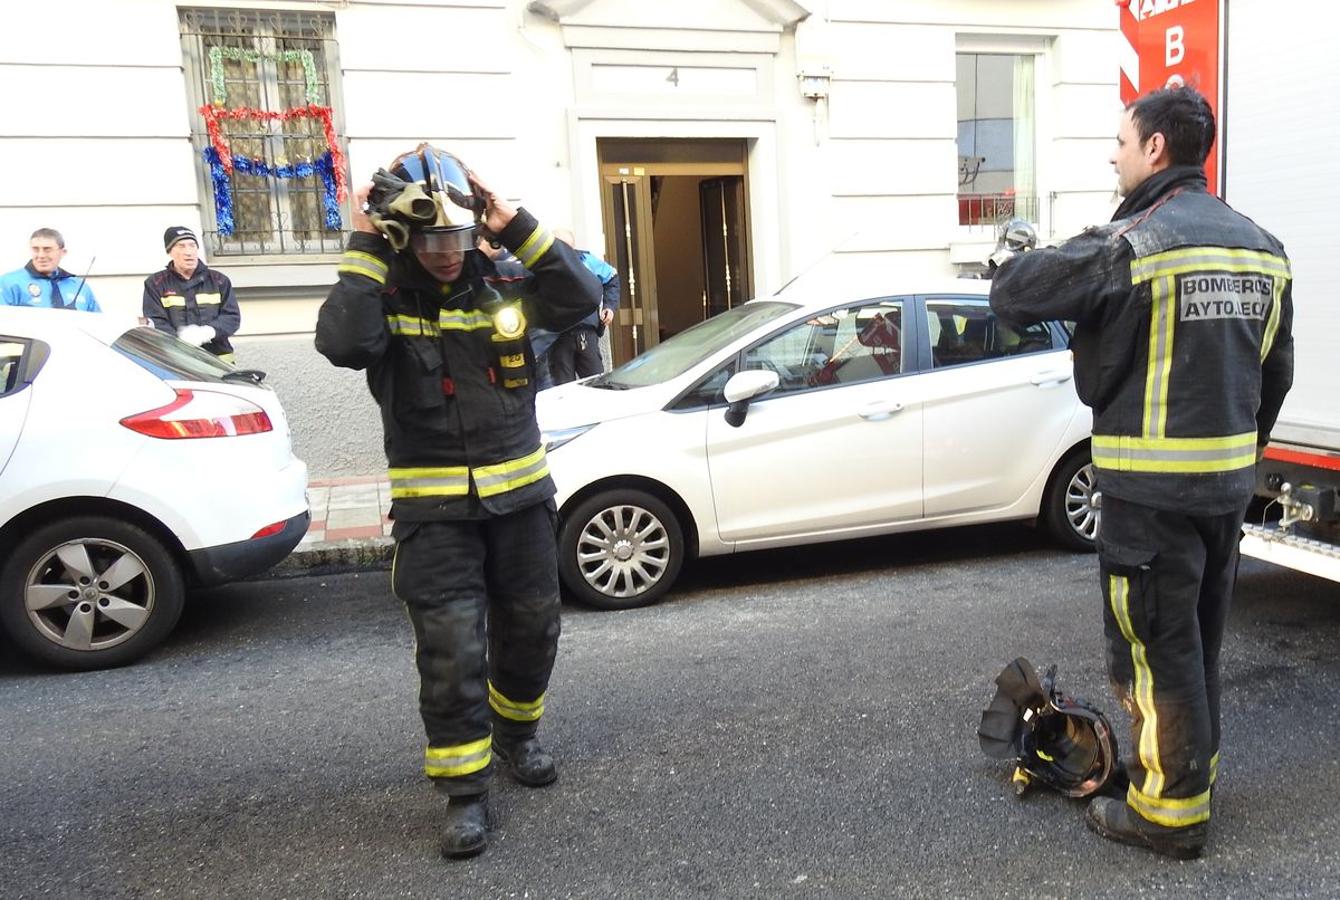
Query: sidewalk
[350,527]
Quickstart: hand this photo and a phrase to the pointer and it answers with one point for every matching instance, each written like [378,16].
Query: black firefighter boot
[1116,821]
[524,757]
[466,832]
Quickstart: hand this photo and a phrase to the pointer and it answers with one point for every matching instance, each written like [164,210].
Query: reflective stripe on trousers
[482,596]
[1167,581]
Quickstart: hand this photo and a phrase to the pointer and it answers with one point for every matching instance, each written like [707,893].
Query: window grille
[268,62]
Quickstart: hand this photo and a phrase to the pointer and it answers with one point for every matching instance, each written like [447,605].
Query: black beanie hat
[177,233]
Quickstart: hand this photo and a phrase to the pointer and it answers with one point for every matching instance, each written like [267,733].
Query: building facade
[709,149]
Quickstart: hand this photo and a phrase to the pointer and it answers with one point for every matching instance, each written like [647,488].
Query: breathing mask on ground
[1056,739]
[425,201]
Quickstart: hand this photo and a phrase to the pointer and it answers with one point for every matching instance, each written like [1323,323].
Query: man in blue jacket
[576,352]
[42,282]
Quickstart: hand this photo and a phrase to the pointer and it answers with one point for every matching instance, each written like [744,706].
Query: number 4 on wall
[673,77]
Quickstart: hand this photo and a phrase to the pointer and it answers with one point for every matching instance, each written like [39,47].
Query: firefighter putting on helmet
[443,339]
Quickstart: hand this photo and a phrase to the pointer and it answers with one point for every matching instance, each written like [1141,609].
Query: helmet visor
[452,240]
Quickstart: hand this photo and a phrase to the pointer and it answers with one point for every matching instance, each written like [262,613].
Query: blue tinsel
[223,194]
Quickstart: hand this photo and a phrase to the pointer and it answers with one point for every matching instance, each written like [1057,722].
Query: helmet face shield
[443,240]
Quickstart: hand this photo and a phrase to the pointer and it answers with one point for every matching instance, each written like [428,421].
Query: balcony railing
[989,210]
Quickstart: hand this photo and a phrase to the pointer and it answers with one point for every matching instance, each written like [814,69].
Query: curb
[333,557]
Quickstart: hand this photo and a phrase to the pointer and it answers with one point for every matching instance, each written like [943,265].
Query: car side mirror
[743,387]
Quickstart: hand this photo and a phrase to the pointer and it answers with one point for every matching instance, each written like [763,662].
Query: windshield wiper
[250,376]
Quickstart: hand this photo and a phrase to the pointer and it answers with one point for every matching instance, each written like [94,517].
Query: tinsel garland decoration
[214,117]
[223,193]
[322,167]
[304,57]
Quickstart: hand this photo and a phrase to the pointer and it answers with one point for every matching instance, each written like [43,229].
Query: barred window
[269,141]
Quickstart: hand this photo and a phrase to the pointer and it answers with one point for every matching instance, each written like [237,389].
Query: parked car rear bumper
[230,562]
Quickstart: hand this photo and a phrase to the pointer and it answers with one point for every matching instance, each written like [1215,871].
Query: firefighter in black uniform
[1182,348]
[443,339]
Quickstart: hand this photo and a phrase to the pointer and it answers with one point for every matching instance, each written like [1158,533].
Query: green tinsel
[218,54]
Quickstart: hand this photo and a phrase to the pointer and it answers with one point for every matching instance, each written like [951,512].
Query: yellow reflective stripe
[444,481]
[1172,812]
[1126,453]
[172,301]
[510,475]
[1214,767]
[367,260]
[461,759]
[1273,320]
[1159,371]
[462,320]
[1199,259]
[513,709]
[207,299]
[1118,592]
[534,247]
[515,382]
[354,268]
[408,325]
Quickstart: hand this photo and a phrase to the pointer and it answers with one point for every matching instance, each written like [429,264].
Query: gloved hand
[197,335]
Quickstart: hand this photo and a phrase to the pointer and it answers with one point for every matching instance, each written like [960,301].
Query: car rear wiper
[250,376]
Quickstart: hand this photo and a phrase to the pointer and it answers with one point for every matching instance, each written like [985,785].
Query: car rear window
[169,358]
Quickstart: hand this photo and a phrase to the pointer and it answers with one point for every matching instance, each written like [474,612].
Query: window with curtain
[996,138]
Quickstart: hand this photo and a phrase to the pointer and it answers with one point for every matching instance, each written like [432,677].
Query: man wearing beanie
[191,300]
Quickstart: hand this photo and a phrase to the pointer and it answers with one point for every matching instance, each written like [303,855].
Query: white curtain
[1025,138]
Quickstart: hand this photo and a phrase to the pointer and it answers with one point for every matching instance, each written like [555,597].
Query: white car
[800,419]
[131,466]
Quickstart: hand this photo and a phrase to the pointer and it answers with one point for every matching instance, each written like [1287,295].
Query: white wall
[869,173]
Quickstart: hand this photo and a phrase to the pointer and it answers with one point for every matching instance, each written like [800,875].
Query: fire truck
[1269,73]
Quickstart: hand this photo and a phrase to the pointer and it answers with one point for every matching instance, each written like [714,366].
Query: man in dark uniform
[443,338]
[189,299]
[1182,348]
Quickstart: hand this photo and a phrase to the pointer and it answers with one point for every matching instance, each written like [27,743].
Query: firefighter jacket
[1182,344]
[206,298]
[451,366]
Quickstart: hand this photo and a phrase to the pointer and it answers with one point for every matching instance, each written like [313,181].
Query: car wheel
[620,549]
[90,593]
[1068,510]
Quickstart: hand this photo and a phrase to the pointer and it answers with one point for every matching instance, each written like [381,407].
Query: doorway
[676,229]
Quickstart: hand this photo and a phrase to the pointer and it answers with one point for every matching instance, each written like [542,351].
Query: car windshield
[171,359]
[676,355]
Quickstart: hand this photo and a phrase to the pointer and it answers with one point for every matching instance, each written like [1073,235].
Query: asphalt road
[790,724]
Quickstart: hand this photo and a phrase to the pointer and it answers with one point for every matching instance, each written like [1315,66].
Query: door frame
[769,241]
[637,328]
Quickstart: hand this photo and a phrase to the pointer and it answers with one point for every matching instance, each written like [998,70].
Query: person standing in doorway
[576,352]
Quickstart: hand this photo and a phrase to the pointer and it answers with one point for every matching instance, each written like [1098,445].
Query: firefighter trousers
[483,598]
[1167,582]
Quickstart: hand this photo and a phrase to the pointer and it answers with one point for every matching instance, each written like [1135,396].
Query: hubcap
[623,551]
[89,594]
[1079,510]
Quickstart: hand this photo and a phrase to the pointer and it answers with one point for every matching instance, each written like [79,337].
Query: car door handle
[1048,378]
[877,411]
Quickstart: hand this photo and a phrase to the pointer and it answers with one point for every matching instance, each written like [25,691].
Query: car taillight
[201,414]
[269,530]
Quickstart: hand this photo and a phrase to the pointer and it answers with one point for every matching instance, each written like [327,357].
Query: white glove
[196,334]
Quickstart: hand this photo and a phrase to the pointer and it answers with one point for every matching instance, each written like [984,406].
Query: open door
[676,228]
[627,204]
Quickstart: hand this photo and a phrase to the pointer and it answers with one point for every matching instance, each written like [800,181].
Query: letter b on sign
[1174,45]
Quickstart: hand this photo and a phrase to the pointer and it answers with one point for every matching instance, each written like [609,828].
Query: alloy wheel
[89,594]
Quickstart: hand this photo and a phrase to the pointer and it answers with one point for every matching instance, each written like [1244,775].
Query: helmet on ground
[429,191]
[1059,740]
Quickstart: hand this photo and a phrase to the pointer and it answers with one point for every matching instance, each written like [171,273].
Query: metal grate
[258,62]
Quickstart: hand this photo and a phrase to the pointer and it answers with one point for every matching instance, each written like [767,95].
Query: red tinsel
[215,115]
